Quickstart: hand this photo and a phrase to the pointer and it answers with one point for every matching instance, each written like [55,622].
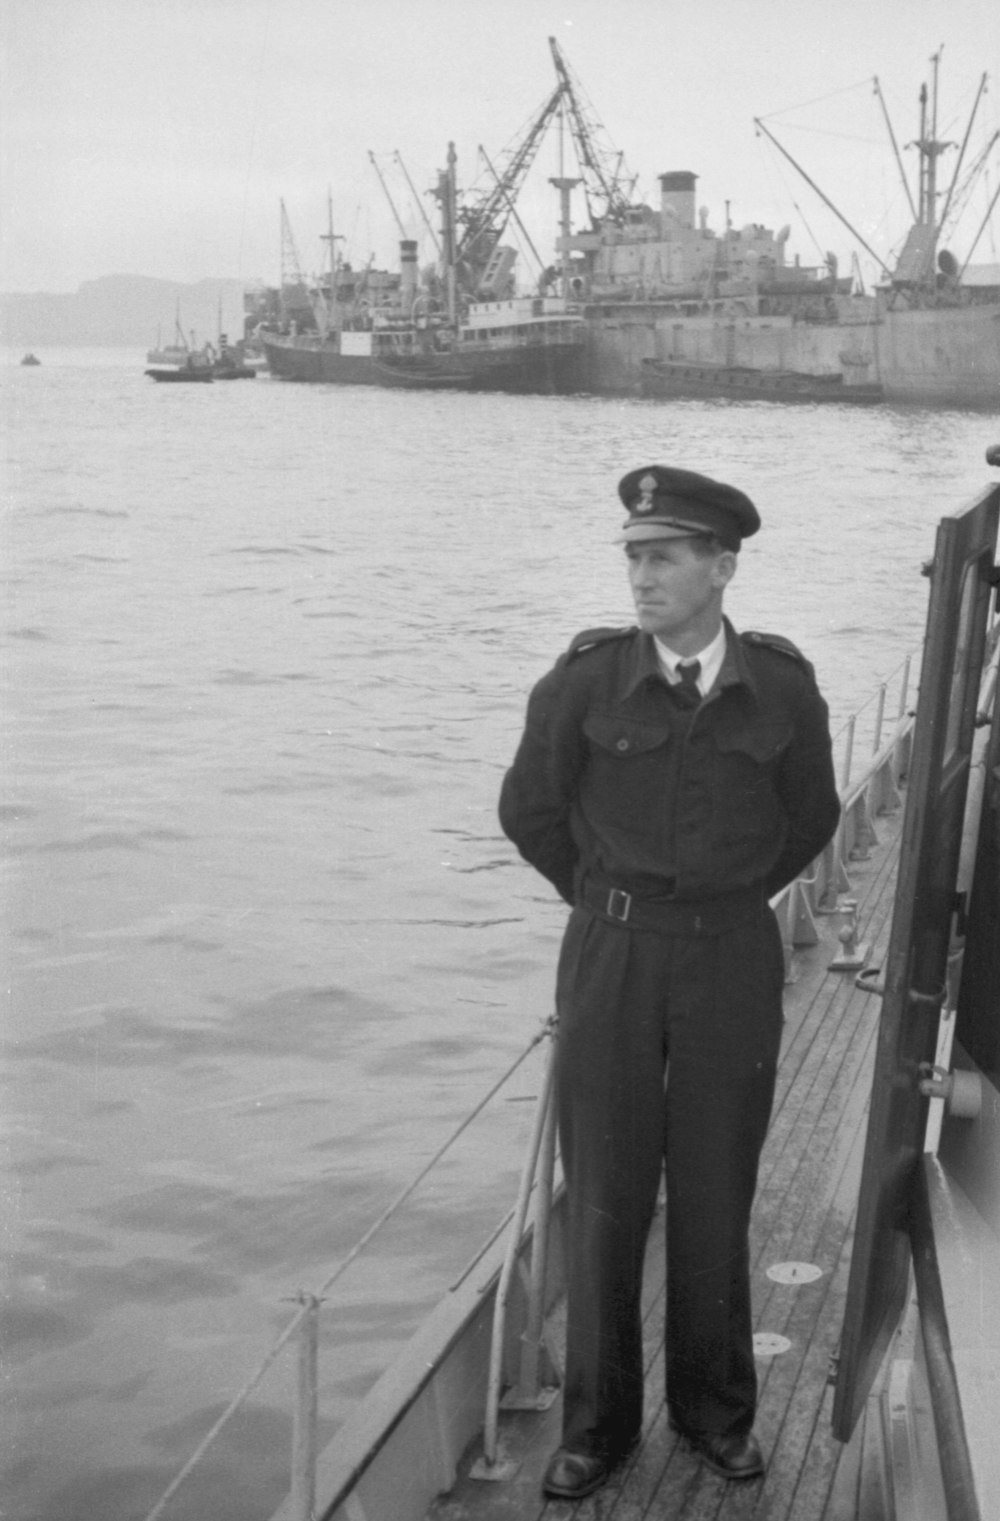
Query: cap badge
[646,488]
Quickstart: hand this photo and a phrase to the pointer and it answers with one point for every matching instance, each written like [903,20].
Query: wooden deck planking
[804,1212]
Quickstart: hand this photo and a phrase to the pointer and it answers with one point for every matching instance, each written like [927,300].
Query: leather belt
[665,916]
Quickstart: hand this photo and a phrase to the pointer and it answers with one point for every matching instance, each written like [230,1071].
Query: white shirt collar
[710,659]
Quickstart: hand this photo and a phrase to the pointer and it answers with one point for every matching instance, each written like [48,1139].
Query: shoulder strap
[592,638]
[778,643]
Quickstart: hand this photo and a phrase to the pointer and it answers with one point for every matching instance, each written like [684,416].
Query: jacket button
[622,744]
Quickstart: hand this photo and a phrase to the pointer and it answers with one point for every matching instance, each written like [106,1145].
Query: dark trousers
[630,1002]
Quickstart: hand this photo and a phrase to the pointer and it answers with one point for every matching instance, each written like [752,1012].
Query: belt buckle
[619,904]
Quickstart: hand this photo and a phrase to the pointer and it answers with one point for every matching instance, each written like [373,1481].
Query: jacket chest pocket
[758,744]
[612,736]
[626,780]
[746,761]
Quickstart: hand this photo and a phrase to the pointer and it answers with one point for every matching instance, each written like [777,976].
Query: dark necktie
[686,693]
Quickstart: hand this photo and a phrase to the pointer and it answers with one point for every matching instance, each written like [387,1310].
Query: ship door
[913,986]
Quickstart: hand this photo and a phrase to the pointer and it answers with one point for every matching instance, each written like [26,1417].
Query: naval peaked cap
[667,503]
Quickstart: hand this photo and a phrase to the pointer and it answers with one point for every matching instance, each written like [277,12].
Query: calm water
[266,650]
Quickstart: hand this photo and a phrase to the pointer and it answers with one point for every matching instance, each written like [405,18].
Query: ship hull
[168,375]
[946,356]
[545,369]
[942,357]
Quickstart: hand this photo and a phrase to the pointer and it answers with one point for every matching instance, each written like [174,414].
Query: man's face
[678,589]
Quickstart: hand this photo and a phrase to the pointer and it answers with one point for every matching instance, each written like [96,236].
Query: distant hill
[127,311]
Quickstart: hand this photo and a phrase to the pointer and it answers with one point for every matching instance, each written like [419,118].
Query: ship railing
[529,1378]
[303,1331]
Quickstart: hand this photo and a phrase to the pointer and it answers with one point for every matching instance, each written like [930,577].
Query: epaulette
[775,642]
[591,638]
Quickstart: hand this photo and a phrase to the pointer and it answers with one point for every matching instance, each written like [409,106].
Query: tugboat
[231,363]
[196,367]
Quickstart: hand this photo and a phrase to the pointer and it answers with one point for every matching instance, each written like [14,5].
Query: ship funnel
[677,198]
[407,274]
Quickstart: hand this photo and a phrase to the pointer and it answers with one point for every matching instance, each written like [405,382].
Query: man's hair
[707,546]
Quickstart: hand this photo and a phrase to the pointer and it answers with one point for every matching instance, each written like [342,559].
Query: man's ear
[724,568]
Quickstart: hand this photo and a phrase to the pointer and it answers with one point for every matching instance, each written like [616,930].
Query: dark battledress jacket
[691,818]
[610,784]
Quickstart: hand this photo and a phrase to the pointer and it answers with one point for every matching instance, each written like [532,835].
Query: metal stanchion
[304,1431]
[492,1466]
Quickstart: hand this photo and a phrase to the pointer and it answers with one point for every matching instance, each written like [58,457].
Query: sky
[159,137]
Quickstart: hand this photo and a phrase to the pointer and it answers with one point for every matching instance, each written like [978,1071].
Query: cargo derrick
[925,274]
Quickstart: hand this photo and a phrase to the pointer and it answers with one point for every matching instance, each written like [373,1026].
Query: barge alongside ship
[680,377]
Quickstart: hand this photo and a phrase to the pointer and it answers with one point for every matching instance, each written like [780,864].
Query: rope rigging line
[905,667]
[401,1198]
[226,1415]
[819,100]
[306,1301]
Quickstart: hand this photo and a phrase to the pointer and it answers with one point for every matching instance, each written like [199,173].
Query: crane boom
[606,182]
[483,222]
[513,209]
[296,296]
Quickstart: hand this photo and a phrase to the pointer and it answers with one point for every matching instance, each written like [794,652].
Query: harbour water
[265,651]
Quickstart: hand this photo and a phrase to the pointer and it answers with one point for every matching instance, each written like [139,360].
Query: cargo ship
[662,290]
[462,326]
[524,344]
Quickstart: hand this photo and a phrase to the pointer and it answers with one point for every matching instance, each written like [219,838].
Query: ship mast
[446,196]
[565,184]
[333,312]
[930,150]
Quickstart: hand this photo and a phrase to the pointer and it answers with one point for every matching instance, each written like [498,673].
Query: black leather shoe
[571,1475]
[734,1457]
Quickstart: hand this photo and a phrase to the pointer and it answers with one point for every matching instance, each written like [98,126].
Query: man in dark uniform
[670,779]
